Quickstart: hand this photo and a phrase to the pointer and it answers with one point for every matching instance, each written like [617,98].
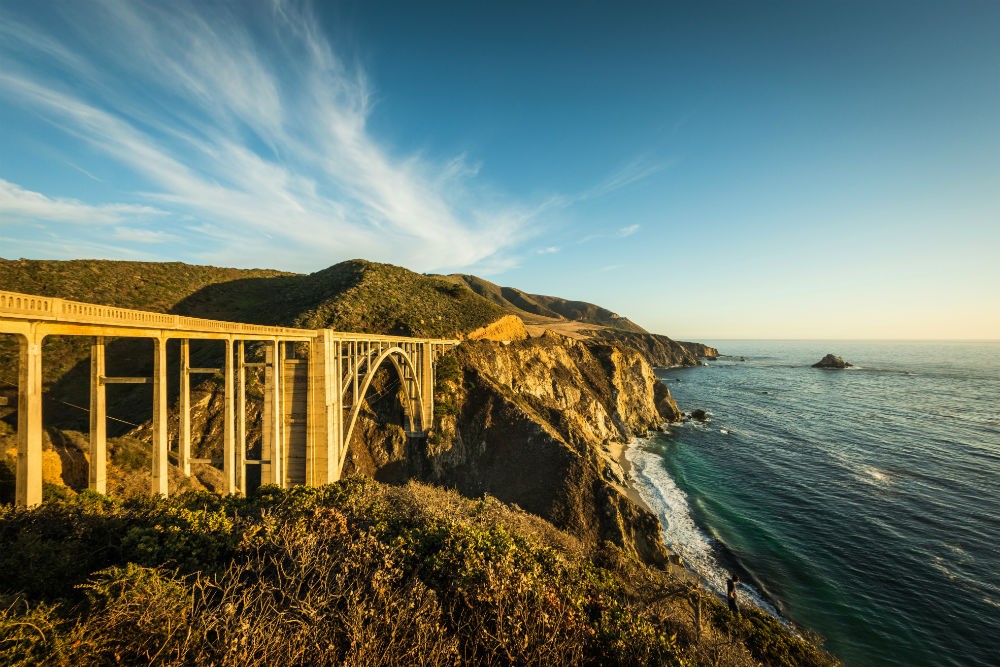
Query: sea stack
[831,361]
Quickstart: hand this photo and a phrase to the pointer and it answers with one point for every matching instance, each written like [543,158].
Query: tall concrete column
[160,441]
[279,411]
[229,421]
[337,463]
[241,418]
[426,370]
[28,487]
[184,408]
[97,476]
[320,447]
[271,435]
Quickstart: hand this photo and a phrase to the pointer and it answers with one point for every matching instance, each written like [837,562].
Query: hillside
[540,309]
[351,296]
[355,573]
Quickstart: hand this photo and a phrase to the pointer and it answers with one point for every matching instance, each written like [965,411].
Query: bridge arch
[414,400]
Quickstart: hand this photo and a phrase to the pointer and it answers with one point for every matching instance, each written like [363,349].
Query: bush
[354,573]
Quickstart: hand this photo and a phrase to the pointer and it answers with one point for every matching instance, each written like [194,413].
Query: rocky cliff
[534,422]
[657,349]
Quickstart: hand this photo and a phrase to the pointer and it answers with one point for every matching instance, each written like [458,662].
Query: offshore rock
[831,361]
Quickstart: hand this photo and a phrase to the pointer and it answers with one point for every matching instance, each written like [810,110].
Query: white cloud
[628,231]
[259,132]
[18,204]
[139,235]
[550,250]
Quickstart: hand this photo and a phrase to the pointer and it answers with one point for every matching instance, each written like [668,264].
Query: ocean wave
[679,531]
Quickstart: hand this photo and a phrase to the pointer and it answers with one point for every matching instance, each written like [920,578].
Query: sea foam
[680,532]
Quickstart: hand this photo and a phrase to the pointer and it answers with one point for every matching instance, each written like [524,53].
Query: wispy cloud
[257,131]
[635,170]
[18,205]
[550,250]
[620,233]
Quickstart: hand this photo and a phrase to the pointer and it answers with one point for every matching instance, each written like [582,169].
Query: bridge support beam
[97,476]
[160,440]
[28,487]
[241,418]
[184,410]
[272,433]
[426,371]
[229,421]
[324,384]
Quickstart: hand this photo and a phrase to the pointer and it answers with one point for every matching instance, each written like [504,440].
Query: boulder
[831,361]
[699,415]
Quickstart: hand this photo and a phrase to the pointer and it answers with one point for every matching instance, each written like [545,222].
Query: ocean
[862,504]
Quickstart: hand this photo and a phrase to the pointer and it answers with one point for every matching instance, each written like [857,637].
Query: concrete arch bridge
[310,405]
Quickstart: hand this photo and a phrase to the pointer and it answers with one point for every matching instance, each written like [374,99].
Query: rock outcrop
[657,349]
[508,327]
[700,350]
[831,361]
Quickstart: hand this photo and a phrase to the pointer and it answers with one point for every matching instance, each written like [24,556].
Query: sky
[711,170]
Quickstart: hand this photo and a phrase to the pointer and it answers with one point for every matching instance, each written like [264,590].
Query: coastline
[676,563]
[617,451]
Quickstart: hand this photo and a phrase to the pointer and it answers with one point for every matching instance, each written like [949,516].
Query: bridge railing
[26,306]
[29,307]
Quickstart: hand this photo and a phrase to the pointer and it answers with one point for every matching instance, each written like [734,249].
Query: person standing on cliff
[731,593]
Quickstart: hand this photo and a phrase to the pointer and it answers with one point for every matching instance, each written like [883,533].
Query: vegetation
[351,296]
[389,299]
[354,573]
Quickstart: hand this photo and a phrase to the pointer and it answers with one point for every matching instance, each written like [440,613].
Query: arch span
[414,399]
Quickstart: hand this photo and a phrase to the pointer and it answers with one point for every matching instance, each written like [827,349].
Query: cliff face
[658,350]
[508,327]
[700,350]
[534,422]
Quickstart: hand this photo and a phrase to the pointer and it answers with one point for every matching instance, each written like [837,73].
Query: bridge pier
[97,475]
[28,487]
[184,410]
[229,421]
[241,418]
[272,433]
[160,441]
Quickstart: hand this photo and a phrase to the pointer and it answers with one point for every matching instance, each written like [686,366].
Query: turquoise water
[862,504]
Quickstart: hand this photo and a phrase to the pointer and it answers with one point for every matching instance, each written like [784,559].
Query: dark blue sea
[862,504]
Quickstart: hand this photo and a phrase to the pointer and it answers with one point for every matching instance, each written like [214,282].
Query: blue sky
[711,170]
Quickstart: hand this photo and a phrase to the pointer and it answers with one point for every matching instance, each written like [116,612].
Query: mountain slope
[540,306]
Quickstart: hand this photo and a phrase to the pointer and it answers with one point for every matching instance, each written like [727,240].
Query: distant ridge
[534,308]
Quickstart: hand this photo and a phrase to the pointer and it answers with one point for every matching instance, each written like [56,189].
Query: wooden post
[28,486]
[97,476]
